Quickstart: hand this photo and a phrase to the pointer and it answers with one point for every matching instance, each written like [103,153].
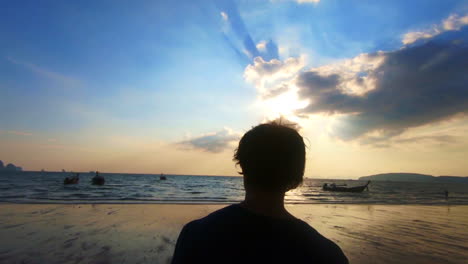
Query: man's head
[272,158]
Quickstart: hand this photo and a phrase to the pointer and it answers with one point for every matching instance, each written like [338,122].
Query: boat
[98,179]
[72,180]
[334,188]
[162,177]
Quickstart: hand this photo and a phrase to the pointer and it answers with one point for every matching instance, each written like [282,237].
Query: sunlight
[285,104]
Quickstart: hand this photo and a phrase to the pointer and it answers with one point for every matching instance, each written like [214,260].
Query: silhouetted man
[259,229]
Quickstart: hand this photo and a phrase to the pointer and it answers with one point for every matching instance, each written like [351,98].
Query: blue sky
[104,77]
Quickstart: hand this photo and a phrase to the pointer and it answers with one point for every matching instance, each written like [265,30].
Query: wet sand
[146,233]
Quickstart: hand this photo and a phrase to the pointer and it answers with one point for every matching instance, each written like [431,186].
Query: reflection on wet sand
[146,233]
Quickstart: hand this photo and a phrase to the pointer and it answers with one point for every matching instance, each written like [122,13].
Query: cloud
[277,95]
[17,133]
[262,72]
[453,22]
[377,141]
[224,16]
[261,46]
[268,50]
[213,142]
[272,69]
[308,1]
[436,138]
[376,97]
[51,75]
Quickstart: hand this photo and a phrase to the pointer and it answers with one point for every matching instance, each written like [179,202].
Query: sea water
[48,187]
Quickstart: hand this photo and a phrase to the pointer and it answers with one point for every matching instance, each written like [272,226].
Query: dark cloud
[414,86]
[383,142]
[442,139]
[213,142]
[319,83]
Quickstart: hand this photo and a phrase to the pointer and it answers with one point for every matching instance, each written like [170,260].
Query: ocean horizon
[48,187]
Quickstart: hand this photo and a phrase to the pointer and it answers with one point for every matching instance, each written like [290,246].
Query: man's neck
[266,203]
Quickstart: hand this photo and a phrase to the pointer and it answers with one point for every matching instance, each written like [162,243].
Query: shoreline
[146,233]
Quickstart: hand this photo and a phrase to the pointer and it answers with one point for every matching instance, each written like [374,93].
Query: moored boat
[72,180]
[334,188]
[98,179]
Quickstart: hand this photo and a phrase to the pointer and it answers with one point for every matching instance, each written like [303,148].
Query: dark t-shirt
[237,235]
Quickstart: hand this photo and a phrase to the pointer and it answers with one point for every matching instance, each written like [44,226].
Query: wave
[123,188]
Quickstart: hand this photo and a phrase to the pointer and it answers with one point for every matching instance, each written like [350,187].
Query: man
[260,229]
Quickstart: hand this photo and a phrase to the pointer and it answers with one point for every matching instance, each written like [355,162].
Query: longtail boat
[356,189]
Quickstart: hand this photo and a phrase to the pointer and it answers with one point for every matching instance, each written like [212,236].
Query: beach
[147,233]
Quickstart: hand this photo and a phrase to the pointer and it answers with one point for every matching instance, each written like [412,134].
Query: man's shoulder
[222,215]
[233,224]
[328,249]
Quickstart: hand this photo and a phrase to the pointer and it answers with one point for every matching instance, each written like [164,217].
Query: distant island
[9,167]
[413,177]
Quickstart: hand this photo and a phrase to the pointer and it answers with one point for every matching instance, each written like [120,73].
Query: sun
[285,105]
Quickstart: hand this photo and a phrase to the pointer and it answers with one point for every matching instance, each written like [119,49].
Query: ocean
[47,187]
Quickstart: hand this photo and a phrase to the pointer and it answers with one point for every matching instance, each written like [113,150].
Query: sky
[171,86]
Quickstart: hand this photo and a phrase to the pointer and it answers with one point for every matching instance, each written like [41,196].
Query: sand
[146,233]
